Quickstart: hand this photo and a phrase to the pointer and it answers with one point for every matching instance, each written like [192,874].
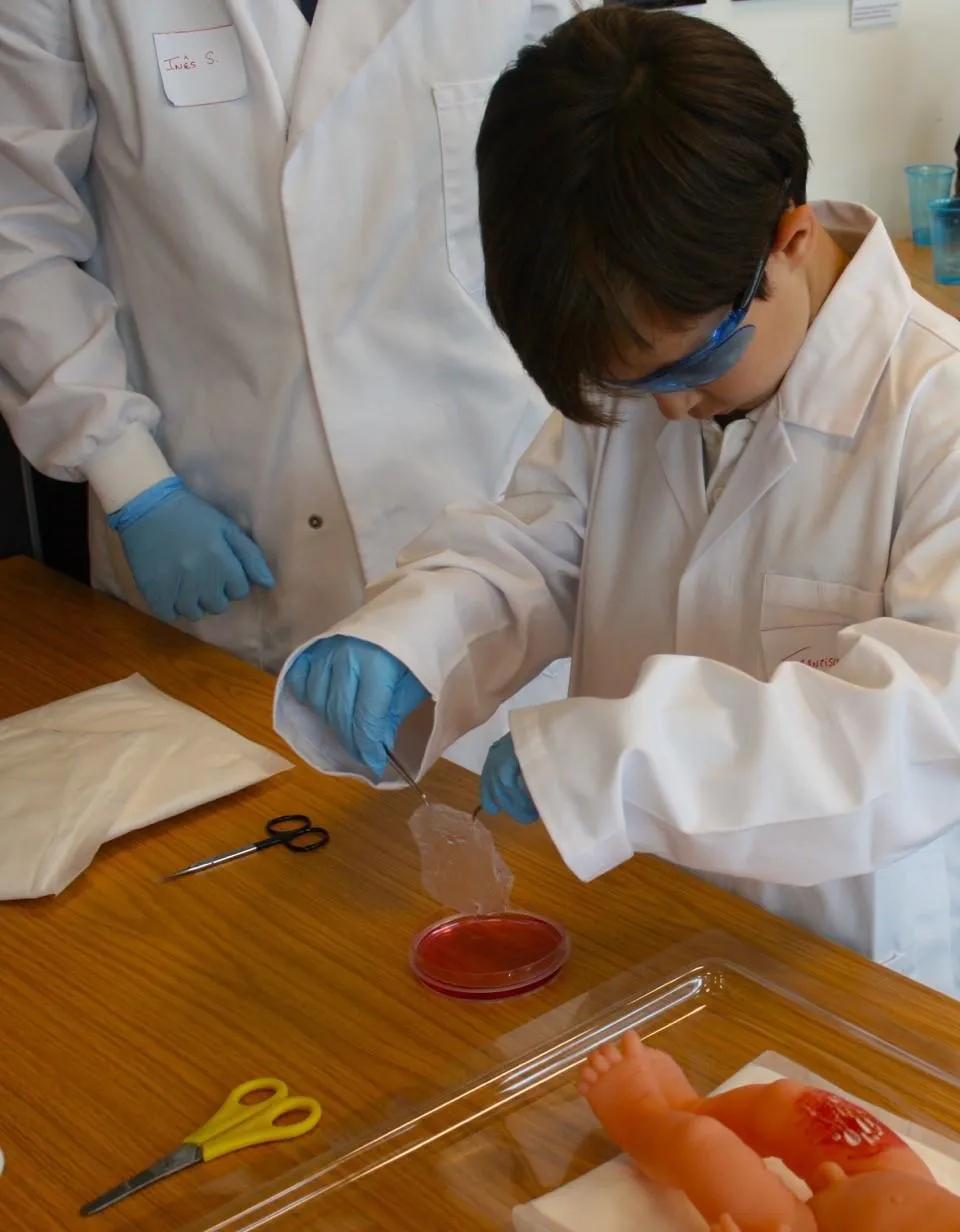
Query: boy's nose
[680,404]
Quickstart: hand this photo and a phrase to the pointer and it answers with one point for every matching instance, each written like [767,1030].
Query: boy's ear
[795,235]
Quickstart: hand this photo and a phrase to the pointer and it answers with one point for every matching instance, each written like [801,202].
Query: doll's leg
[646,1075]
[806,1128]
[642,1099]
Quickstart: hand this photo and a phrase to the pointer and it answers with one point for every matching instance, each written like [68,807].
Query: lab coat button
[315,521]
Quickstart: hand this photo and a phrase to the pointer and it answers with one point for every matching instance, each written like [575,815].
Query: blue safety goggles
[722,351]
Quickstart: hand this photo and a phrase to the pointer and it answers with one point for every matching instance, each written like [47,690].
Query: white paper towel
[615,1198]
[100,764]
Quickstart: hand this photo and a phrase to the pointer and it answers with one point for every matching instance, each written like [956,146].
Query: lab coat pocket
[460,107]
[800,619]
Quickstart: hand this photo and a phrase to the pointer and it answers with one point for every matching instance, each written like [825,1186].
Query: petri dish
[489,957]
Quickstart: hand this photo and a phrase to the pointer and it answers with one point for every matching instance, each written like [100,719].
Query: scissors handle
[295,832]
[233,1110]
[288,825]
[307,840]
[260,1124]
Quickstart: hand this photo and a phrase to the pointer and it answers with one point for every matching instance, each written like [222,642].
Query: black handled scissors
[293,831]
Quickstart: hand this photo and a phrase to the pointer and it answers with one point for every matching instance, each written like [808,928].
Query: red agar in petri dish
[488,957]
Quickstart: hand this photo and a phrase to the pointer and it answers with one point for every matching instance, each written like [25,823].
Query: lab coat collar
[344,35]
[837,369]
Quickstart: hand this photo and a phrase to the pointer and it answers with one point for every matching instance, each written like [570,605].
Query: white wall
[871,100]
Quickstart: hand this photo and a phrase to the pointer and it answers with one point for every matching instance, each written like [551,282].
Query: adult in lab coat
[766,669]
[243,251]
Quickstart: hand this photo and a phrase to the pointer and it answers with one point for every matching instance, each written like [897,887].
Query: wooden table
[918,262]
[129,1007]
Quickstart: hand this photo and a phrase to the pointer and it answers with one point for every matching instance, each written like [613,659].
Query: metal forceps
[406,776]
[294,831]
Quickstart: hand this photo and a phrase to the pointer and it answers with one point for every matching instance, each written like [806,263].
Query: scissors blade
[183,1157]
[212,862]
[406,776]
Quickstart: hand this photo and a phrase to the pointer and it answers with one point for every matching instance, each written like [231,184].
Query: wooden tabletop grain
[129,1007]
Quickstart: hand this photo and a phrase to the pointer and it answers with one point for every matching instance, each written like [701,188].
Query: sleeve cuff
[126,467]
[313,741]
[588,850]
[305,731]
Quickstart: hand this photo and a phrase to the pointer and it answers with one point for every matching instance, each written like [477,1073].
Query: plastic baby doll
[864,1177]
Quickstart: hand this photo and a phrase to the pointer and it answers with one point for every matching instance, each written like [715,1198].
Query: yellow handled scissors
[235,1126]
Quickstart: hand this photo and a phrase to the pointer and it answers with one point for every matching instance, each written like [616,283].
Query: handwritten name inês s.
[181,64]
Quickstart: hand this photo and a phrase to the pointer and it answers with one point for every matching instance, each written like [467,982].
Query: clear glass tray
[467,1159]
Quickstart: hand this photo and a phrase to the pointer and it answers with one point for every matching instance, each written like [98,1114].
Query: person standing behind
[241,292]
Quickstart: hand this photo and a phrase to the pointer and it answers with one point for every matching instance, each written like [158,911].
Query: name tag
[201,66]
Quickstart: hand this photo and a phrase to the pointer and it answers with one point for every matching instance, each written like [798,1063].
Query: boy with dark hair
[744,523]
[634,170]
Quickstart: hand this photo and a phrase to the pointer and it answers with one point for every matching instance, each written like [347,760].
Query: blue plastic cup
[926,182]
[945,230]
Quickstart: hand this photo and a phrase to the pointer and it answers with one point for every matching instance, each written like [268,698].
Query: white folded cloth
[99,764]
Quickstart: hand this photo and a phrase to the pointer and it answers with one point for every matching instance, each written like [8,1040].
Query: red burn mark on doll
[840,1123]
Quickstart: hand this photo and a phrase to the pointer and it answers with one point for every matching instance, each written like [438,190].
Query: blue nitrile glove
[360,690]
[502,788]
[187,558]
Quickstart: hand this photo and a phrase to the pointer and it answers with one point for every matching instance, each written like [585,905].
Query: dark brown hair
[629,160]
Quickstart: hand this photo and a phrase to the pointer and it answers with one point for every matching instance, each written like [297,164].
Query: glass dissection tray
[520,1130]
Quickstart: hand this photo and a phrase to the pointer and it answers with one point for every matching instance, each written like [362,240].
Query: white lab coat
[768,693]
[284,288]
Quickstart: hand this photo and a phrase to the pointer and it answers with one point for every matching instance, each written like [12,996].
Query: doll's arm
[881,1202]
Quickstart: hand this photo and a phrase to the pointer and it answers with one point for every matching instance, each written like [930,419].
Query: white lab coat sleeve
[63,372]
[480,603]
[809,777]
